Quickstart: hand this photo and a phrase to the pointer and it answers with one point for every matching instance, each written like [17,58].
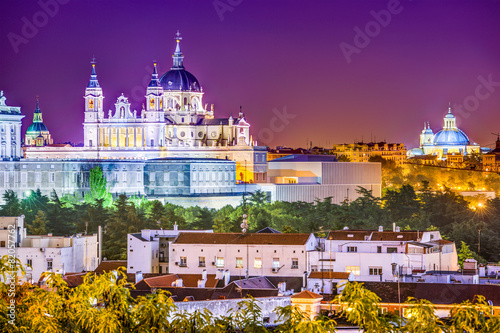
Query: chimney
[204,275]
[201,283]
[394,227]
[227,275]
[380,229]
[138,276]
[178,283]
[219,274]
[398,229]
[176,227]
[304,281]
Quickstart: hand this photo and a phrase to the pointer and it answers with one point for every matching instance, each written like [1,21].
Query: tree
[61,219]
[259,198]
[421,317]
[476,316]
[361,307]
[39,225]
[464,253]
[99,188]
[12,205]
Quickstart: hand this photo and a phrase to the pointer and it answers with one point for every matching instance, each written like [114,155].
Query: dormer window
[400,236]
[350,235]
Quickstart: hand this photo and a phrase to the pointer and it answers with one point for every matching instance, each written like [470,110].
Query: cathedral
[449,140]
[37,133]
[174,122]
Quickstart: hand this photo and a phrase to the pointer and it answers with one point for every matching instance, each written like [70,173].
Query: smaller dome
[452,136]
[37,127]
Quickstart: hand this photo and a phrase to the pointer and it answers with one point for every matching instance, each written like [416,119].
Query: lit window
[353,269]
[257,263]
[201,261]
[183,262]
[276,262]
[219,262]
[239,262]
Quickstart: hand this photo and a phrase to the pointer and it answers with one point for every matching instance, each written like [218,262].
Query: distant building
[447,141]
[491,160]
[46,253]
[362,152]
[10,131]
[149,250]
[311,177]
[37,133]
[252,254]
[383,255]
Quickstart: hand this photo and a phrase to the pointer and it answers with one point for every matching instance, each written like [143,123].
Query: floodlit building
[10,131]
[46,253]
[311,177]
[363,151]
[173,122]
[37,133]
[237,254]
[149,250]
[447,141]
[384,255]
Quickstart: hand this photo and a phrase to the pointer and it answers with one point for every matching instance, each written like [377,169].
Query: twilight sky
[306,59]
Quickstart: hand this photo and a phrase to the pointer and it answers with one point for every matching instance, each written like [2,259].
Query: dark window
[392,250]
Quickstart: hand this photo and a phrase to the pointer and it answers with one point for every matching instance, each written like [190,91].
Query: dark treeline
[458,219]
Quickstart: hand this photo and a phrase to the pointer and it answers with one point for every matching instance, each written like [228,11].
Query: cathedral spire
[178,54]
[37,115]
[93,77]
[154,77]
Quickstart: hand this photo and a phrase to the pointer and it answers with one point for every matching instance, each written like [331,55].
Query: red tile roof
[237,238]
[344,234]
[191,280]
[307,294]
[110,265]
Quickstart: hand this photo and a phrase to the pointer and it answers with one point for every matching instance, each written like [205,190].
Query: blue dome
[453,136]
[37,127]
[179,79]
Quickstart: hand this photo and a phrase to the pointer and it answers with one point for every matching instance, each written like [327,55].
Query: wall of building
[230,306]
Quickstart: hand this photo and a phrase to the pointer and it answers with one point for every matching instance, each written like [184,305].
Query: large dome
[452,136]
[179,79]
[37,127]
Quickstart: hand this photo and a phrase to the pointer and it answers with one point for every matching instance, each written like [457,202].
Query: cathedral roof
[178,78]
[452,136]
[37,125]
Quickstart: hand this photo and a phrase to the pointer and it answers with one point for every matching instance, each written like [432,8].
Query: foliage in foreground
[103,304]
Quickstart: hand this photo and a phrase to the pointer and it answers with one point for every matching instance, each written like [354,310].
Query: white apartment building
[383,255]
[252,254]
[148,251]
[48,253]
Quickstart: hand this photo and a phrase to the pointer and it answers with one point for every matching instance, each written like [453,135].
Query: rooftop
[238,238]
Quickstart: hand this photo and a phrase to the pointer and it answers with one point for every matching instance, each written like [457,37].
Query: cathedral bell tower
[154,114]
[93,110]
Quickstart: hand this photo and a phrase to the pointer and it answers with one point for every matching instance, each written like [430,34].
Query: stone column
[126,136]
[109,136]
[135,136]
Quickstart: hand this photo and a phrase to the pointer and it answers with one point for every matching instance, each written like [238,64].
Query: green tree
[39,225]
[99,188]
[361,307]
[12,205]
[421,317]
[464,253]
[61,219]
[259,198]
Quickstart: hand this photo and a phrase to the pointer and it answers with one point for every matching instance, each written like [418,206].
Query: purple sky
[266,55]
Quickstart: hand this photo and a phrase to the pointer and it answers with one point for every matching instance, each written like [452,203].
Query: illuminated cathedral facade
[173,122]
[448,141]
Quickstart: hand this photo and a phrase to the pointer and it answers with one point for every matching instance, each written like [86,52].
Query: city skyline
[310,61]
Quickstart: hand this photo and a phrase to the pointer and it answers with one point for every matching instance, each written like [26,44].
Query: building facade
[449,140]
[156,179]
[46,253]
[252,254]
[173,122]
[10,131]
[362,152]
[37,133]
[383,255]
